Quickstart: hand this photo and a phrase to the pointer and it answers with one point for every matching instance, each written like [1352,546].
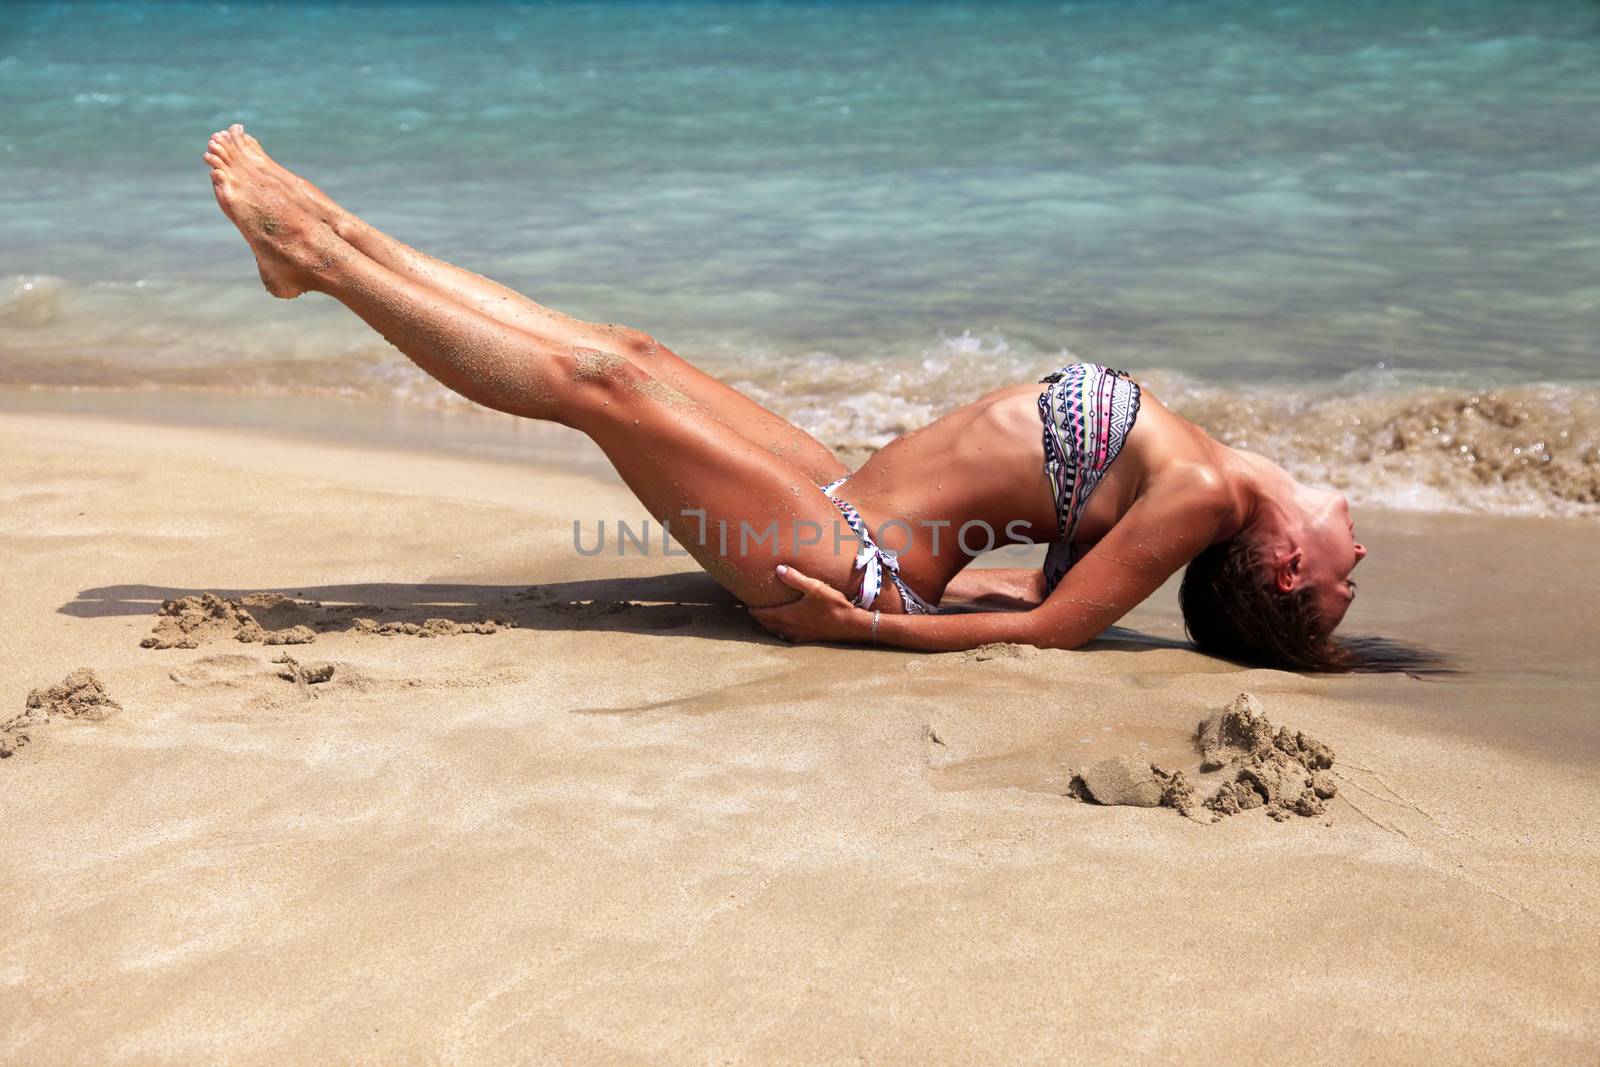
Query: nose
[1361,552]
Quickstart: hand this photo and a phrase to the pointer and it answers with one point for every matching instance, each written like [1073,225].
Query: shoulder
[1196,488]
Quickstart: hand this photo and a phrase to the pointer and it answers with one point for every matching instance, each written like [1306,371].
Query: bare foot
[287,236]
[292,185]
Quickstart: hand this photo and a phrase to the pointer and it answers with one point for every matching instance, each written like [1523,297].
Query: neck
[1260,489]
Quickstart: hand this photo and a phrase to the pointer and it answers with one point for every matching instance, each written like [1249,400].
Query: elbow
[1041,633]
[1063,644]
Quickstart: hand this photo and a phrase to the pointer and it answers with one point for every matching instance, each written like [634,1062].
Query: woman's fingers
[806,584]
[816,616]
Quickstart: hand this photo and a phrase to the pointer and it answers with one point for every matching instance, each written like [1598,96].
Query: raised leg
[508,307]
[676,459]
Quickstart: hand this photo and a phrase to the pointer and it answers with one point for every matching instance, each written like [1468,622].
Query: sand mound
[999,650]
[1125,780]
[260,618]
[1245,763]
[426,628]
[275,619]
[303,674]
[80,695]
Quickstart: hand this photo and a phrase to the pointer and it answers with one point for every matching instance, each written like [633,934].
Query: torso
[984,463]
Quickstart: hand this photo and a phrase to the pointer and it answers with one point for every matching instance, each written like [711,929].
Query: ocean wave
[1520,449]
[1385,439]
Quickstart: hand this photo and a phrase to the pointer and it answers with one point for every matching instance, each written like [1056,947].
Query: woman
[1125,491]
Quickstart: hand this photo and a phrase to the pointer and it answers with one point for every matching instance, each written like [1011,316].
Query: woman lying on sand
[1124,491]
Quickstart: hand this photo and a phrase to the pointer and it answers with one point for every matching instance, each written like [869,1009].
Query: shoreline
[467,432]
[633,818]
[1528,450]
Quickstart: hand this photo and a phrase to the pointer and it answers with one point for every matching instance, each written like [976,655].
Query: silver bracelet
[875,616]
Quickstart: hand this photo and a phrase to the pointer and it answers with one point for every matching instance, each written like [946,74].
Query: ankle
[329,259]
[348,228]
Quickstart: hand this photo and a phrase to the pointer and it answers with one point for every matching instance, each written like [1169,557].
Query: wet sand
[597,815]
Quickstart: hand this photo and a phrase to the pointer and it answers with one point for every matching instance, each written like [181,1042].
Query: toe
[236,129]
[213,159]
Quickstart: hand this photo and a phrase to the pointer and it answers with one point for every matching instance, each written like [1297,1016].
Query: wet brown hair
[1232,609]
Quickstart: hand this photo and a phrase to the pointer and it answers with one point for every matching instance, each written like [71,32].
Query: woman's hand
[821,614]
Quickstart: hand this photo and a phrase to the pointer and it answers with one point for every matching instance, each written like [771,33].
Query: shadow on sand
[689,601]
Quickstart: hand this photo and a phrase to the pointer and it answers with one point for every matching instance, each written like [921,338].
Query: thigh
[735,506]
[744,416]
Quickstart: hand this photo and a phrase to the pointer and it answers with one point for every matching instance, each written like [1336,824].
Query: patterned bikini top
[1087,412]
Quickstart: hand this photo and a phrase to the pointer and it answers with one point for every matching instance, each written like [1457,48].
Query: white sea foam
[31,301]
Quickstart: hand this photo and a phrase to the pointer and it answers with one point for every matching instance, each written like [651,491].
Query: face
[1331,552]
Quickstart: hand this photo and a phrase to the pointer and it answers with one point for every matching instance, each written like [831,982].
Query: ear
[1286,575]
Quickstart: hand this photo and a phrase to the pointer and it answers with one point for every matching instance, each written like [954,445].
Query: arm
[1158,535]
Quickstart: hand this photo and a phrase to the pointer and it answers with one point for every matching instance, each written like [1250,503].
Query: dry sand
[600,817]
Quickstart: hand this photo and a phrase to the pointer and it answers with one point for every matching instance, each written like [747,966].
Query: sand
[1241,761]
[80,695]
[599,817]
[276,619]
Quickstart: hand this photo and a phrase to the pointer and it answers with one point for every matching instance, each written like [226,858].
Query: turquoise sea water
[1364,237]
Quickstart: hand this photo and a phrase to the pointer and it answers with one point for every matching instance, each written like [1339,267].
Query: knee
[600,381]
[631,343]
[599,370]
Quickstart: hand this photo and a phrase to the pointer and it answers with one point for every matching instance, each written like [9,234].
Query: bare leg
[506,306]
[674,458]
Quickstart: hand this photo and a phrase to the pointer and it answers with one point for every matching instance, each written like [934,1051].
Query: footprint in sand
[258,685]
[251,684]
[217,672]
